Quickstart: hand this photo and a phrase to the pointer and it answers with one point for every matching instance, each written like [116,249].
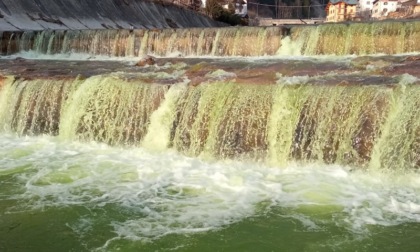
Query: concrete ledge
[275,22]
[35,15]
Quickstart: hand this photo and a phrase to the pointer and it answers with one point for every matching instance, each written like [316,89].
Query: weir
[40,15]
[300,138]
[349,110]
[199,109]
[391,37]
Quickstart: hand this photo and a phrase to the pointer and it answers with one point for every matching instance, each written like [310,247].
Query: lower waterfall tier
[362,112]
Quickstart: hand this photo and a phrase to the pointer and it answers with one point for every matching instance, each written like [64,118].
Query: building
[341,10]
[410,2]
[241,8]
[413,5]
[364,9]
[381,8]
[366,5]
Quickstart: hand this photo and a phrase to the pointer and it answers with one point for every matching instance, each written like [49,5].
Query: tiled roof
[351,2]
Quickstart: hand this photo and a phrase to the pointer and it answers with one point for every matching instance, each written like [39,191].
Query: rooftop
[350,2]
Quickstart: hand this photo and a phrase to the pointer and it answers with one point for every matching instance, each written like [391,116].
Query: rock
[369,63]
[19,59]
[412,58]
[148,60]
[378,64]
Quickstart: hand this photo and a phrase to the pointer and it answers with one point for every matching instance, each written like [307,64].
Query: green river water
[72,196]
[312,144]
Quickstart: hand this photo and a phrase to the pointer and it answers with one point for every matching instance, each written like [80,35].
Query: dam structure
[40,15]
[142,126]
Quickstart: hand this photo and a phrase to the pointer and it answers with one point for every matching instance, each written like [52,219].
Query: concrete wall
[276,22]
[96,14]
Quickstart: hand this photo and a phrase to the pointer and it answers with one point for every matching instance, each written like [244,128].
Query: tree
[215,10]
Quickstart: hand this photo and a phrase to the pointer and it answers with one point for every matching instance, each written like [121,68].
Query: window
[386,3]
[368,2]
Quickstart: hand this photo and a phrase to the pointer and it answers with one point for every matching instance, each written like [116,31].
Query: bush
[215,10]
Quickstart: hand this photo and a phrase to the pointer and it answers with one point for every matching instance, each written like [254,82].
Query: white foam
[170,193]
[155,74]
[220,74]
[407,79]
[292,80]
[286,52]
[72,56]
[159,130]
[289,47]
[76,56]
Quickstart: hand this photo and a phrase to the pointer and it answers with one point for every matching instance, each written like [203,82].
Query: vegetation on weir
[215,10]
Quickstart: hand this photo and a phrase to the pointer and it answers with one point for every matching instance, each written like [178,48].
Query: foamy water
[166,193]
[31,54]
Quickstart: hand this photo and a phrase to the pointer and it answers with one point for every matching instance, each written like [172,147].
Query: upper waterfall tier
[327,39]
[30,15]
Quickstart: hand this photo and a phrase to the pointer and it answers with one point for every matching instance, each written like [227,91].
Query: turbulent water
[91,196]
[276,153]
[394,37]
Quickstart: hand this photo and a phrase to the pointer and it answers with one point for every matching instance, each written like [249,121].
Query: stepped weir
[352,110]
[329,39]
[293,138]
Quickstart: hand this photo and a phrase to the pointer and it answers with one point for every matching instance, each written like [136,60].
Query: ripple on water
[152,195]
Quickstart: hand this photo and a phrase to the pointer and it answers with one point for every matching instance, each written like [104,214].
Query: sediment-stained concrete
[38,15]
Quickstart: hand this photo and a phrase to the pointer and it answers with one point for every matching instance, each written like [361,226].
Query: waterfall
[98,108]
[390,37]
[106,110]
[358,125]
[329,39]
[122,130]
[167,42]
[32,107]
[203,110]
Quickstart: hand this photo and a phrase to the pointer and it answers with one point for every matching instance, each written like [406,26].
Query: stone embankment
[35,15]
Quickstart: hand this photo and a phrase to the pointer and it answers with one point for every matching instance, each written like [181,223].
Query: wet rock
[2,81]
[369,63]
[197,81]
[19,59]
[148,60]
[378,64]
[412,58]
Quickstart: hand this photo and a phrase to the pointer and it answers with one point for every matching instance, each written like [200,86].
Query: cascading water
[316,153]
[329,39]
[270,123]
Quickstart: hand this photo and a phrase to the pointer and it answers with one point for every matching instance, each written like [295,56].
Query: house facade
[366,4]
[364,9]
[341,10]
[410,2]
[412,5]
[381,8]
